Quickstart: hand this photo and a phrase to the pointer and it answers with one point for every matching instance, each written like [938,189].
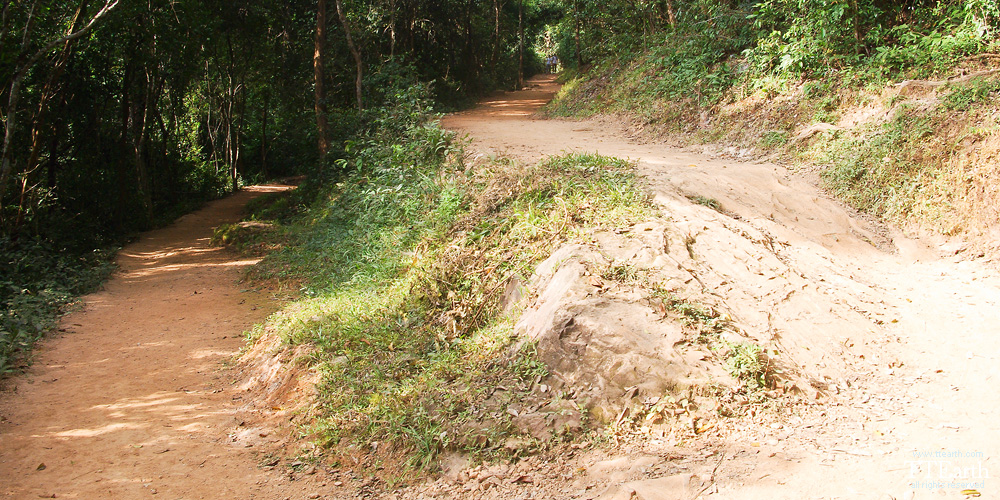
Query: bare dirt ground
[131,398]
[890,342]
[899,334]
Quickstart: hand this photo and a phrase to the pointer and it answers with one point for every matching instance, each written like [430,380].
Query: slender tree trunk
[354,52]
[412,22]
[576,35]
[857,26]
[238,152]
[670,13]
[20,71]
[4,20]
[520,44]
[496,33]
[232,127]
[49,91]
[318,77]
[123,145]
[140,137]
[263,135]
[392,28]
[52,165]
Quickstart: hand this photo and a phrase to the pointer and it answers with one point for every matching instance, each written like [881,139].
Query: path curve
[913,325]
[131,399]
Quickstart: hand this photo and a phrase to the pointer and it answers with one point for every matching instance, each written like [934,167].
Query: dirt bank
[900,334]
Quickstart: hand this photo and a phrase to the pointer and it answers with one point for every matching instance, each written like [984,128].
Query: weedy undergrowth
[404,263]
[37,282]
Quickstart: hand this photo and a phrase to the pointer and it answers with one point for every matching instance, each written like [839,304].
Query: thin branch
[4,21]
[26,37]
[108,7]
[15,86]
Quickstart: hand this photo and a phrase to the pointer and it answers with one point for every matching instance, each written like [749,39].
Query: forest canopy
[118,115]
[121,114]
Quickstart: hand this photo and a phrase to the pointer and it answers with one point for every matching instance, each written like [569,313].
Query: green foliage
[879,171]
[745,362]
[872,39]
[707,202]
[37,282]
[965,96]
[773,138]
[403,265]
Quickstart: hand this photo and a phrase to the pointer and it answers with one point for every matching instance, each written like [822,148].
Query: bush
[403,265]
[37,281]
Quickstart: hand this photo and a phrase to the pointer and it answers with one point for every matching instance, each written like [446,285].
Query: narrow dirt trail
[132,401]
[901,334]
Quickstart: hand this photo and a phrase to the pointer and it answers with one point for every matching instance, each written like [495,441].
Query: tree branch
[15,87]
[69,37]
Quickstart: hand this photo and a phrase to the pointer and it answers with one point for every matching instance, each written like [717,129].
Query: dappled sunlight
[151,400]
[152,271]
[145,345]
[210,353]
[509,107]
[269,188]
[192,409]
[170,252]
[85,433]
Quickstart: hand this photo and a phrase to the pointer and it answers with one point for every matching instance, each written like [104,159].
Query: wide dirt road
[131,400]
[901,334]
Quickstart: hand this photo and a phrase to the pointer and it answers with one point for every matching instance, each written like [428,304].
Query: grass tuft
[403,266]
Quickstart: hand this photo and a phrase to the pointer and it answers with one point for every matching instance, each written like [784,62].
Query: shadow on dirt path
[131,400]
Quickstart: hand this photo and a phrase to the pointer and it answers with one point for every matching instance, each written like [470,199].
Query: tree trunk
[318,77]
[576,35]
[123,145]
[496,33]
[857,27]
[20,71]
[140,124]
[670,13]
[49,91]
[354,52]
[392,28]
[520,44]
[263,136]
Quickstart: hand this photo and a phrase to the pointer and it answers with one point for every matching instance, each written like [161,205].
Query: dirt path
[901,334]
[131,400]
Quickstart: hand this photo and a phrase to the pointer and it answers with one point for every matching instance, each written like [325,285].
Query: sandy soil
[131,399]
[900,335]
[902,332]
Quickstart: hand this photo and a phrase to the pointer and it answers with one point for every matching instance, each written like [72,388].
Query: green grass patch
[37,282]
[403,266]
[706,201]
[976,91]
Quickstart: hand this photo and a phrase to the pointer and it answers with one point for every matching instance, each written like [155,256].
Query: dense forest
[118,113]
[119,116]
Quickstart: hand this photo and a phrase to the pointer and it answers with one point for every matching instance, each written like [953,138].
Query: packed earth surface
[882,344]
